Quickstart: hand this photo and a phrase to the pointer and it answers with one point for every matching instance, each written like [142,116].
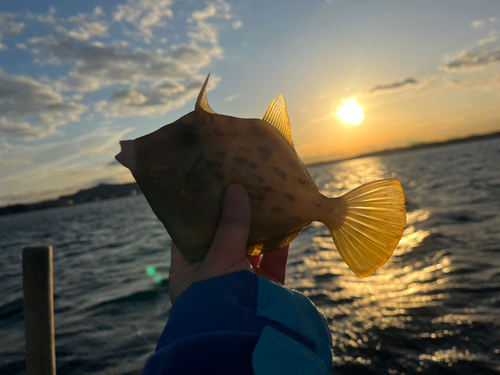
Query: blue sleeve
[242,323]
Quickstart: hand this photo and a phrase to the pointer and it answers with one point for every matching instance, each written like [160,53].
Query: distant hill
[107,191]
[97,193]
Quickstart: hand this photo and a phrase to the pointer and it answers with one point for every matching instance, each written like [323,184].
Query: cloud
[155,100]
[143,15]
[146,72]
[47,18]
[232,97]
[138,81]
[397,86]
[492,38]
[477,24]
[237,24]
[479,83]
[22,97]
[8,26]
[22,130]
[65,164]
[467,61]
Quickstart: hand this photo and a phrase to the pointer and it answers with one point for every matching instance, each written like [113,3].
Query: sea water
[433,308]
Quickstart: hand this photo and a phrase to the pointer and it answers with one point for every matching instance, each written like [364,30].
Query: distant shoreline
[108,191]
[98,193]
[419,146]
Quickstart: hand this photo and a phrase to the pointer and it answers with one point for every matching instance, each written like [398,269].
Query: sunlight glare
[350,112]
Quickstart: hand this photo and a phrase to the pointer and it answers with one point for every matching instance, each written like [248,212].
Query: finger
[177,260]
[230,240]
[263,273]
[274,263]
[253,259]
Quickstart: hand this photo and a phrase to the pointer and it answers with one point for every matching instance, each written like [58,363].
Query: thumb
[230,240]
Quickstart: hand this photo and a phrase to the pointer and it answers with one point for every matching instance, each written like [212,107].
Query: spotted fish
[184,167]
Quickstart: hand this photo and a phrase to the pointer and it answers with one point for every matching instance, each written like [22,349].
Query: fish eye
[189,134]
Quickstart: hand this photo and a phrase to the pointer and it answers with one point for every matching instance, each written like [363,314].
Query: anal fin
[272,244]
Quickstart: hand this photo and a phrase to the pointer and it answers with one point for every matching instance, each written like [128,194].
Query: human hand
[227,252]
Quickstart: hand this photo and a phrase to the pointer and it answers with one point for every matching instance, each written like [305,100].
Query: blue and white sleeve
[242,323]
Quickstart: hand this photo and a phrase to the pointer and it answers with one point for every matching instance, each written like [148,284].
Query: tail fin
[373,220]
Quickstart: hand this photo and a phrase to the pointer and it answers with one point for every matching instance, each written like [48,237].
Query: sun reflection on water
[362,313]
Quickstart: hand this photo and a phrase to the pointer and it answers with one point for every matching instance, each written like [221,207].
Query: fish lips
[126,156]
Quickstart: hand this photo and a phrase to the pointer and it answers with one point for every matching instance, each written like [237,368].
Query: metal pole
[39,310]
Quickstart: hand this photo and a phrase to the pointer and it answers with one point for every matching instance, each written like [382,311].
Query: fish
[183,169]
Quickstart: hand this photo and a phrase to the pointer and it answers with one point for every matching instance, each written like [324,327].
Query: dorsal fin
[202,98]
[277,116]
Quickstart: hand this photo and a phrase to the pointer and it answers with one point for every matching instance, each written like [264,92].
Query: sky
[77,77]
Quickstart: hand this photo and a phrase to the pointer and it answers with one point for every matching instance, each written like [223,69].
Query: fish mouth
[126,156]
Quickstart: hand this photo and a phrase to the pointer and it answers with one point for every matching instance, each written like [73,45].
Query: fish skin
[184,184]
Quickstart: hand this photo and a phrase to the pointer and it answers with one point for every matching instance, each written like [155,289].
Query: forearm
[245,324]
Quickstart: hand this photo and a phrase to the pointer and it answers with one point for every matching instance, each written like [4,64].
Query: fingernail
[234,194]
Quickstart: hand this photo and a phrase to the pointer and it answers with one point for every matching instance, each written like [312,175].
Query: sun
[350,112]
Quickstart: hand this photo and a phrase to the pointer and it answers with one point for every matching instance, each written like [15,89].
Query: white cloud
[467,61]
[233,97]
[88,30]
[21,129]
[144,15]
[479,83]
[155,100]
[67,165]
[492,38]
[9,26]
[22,97]
[48,18]
[144,72]
[477,24]
[493,19]
[237,24]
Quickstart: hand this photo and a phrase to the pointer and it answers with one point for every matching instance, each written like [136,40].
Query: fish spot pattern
[290,197]
[277,209]
[218,175]
[280,173]
[220,154]
[301,181]
[240,160]
[268,189]
[257,197]
[265,153]
[292,165]
[196,180]
[258,178]
[218,133]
